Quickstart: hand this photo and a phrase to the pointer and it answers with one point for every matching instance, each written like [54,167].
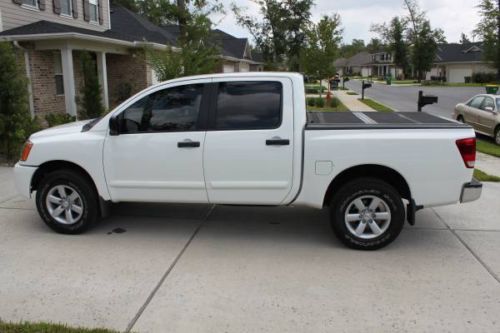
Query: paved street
[176,268]
[405,98]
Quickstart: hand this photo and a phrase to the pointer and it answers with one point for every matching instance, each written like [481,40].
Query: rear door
[248,155]
[487,116]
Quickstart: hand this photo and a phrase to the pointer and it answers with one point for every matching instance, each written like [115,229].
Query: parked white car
[246,139]
[483,113]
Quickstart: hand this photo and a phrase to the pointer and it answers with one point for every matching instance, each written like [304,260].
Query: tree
[15,119]
[197,51]
[90,99]
[423,38]
[464,39]
[375,45]
[280,33]
[322,47]
[394,36]
[488,30]
[356,46]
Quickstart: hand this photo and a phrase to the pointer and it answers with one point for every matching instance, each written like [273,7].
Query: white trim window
[94,11]
[30,3]
[58,74]
[67,8]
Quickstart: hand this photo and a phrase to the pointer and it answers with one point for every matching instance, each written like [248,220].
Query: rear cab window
[248,105]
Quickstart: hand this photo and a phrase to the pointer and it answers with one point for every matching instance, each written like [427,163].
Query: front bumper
[471,191]
[23,175]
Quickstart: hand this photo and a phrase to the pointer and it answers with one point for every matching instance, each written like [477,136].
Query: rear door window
[488,102]
[248,105]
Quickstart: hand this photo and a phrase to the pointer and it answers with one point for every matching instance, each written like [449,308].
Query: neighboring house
[456,62]
[383,65]
[358,64]
[50,35]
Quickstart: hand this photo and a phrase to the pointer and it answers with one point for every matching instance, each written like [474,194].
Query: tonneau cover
[377,120]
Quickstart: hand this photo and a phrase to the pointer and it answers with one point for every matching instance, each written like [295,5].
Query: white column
[102,72]
[68,80]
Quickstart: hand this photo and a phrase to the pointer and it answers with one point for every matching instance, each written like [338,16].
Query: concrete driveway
[404,98]
[175,268]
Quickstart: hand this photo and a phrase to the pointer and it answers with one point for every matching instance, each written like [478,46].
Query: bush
[320,102]
[314,89]
[90,100]
[311,101]
[55,119]
[16,124]
[334,102]
[484,78]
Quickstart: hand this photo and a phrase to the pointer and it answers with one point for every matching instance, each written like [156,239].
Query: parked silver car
[483,113]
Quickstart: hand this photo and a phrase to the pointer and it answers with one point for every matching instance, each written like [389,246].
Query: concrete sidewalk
[352,101]
[197,268]
[489,164]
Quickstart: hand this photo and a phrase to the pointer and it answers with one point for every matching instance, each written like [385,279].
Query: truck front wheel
[367,214]
[67,202]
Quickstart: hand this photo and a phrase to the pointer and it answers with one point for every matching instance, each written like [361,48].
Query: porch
[54,70]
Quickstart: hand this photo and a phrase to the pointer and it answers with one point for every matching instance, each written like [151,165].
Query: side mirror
[114,126]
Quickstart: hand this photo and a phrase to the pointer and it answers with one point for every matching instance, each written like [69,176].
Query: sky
[453,16]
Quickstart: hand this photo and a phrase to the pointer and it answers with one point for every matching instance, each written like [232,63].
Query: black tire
[88,199]
[497,135]
[461,119]
[366,188]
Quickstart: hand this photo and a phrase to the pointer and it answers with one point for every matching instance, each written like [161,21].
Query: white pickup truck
[247,139]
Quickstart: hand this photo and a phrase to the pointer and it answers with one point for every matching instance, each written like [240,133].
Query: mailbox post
[344,80]
[363,87]
[425,100]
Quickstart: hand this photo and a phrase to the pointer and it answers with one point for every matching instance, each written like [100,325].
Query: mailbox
[364,85]
[425,100]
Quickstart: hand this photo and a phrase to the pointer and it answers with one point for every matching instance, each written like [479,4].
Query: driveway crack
[474,254]
[167,272]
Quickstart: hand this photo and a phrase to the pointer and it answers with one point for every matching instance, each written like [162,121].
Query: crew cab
[247,139]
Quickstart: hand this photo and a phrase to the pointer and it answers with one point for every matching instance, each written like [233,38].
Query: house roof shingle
[131,27]
[470,52]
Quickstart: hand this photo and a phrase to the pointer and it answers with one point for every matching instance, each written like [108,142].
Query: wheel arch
[51,166]
[387,174]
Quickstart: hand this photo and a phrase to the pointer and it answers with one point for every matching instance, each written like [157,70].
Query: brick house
[50,34]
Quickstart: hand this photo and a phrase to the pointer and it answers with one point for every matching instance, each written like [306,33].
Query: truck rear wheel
[67,202]
[367,214]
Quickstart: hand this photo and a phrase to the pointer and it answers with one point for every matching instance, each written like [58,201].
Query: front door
[248,157]
[158,154]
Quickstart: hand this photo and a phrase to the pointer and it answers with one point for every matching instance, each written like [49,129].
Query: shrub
[311,101]
[15,120]
[55,119]
[320,102]
[484,77]
[334,102]
[91,99]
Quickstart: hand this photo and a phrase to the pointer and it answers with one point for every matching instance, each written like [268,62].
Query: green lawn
[484,177]
[340,108]
[46,328]
[488,148]
[375,105]
[448,84]
[404,82]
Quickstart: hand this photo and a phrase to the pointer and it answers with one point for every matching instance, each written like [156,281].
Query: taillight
[26,150]
[467,148]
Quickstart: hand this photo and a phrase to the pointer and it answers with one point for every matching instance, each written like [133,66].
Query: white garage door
[244,67]
[228,68]
[457,75]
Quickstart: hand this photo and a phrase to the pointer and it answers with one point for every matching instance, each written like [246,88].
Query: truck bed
[378,120]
